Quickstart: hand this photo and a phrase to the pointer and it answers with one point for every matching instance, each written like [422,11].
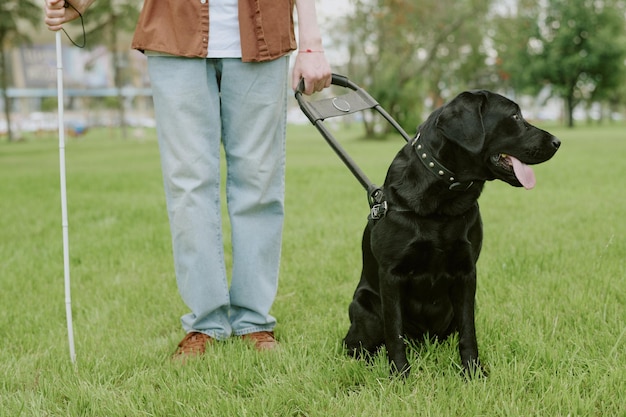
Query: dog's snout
[556,142]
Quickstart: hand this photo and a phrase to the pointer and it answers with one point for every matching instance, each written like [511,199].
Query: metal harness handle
[355,100]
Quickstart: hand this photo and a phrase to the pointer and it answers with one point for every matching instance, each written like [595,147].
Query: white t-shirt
[224,37]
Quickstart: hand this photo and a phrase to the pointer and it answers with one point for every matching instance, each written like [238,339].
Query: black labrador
[419,258]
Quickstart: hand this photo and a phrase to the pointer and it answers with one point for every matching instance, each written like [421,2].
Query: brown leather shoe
[262,340]
[193,344]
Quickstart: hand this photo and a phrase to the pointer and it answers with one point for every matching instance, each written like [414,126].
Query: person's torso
[183,28]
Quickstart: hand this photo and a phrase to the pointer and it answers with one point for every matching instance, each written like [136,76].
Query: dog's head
[491,127]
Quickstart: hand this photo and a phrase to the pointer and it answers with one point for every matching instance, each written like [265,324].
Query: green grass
[551,301]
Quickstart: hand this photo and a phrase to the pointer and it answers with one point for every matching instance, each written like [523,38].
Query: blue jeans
[201,104]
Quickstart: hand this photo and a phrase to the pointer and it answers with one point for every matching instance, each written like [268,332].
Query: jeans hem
[253,330]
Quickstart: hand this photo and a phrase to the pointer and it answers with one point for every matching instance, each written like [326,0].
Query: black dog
[419,259]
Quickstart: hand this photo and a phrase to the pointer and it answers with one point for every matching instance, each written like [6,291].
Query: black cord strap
[82,23]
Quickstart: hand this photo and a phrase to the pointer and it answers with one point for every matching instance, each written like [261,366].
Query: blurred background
[563,61]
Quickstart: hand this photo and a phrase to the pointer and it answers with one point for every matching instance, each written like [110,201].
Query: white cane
[64,221]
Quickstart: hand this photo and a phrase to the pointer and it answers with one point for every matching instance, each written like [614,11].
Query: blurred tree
[616,98]
[405,52]
[13,15]
[109,22]
[577,48]
[611,84]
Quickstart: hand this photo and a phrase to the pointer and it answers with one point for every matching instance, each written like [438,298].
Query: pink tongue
[524,173]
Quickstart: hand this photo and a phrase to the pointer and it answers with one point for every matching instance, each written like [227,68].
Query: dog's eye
[517,117]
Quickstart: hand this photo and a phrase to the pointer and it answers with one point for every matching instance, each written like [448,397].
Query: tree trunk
[117,78]
[569,110]
[5,94]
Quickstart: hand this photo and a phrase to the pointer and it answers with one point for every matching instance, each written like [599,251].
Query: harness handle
[355,100]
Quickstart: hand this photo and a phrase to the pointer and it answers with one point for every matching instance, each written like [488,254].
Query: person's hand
[56,14]
[313,68]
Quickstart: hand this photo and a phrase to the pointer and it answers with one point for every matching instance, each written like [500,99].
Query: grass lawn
[551,300]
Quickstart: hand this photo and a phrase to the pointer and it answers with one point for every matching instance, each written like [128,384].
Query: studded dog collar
[425,155]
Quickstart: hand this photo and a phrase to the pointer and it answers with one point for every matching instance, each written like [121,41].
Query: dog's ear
[461,121]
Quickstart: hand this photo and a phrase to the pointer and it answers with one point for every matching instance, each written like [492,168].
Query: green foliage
[106,20]
[13,15]
[414,56]
[551,291]
[404,51]
[577,48]
[49,104]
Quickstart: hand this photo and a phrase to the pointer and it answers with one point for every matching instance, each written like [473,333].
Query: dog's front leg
[391,298]
[464,296]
